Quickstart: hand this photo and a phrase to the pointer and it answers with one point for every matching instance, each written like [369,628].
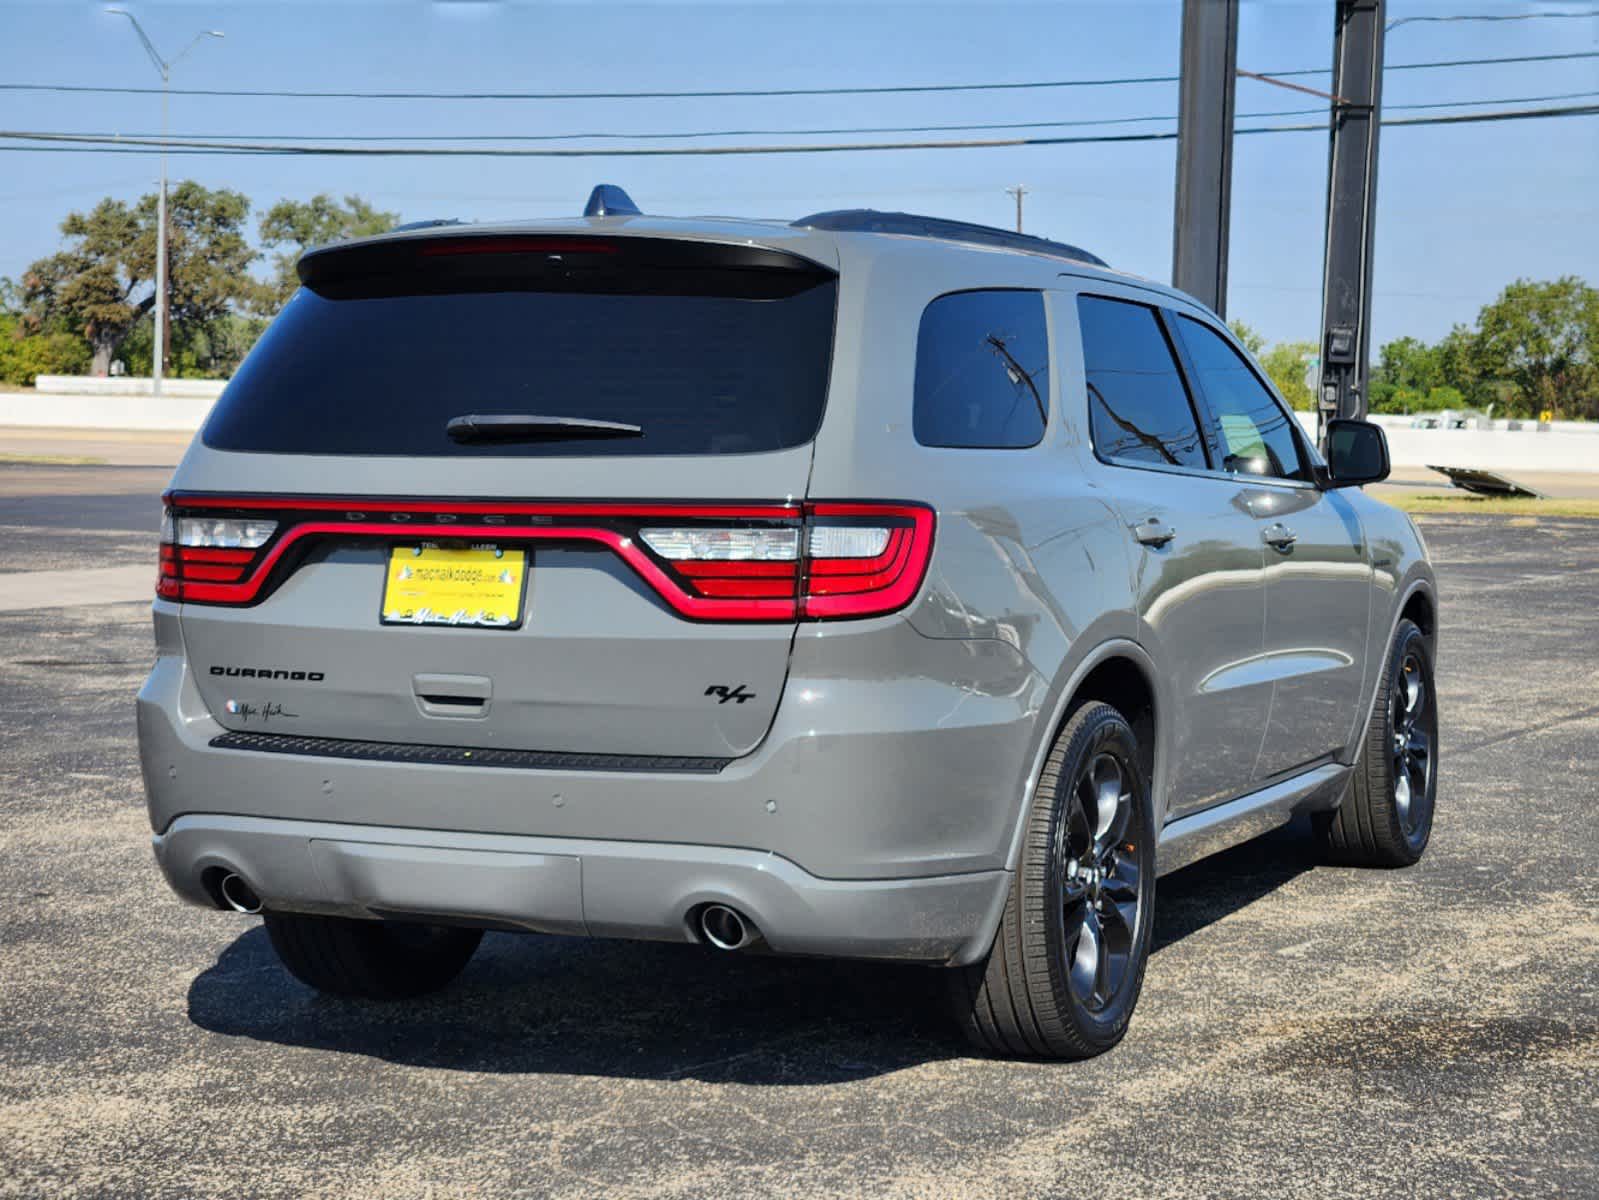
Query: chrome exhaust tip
[725,928]
[238,895]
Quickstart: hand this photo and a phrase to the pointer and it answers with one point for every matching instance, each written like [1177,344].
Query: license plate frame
[404,598]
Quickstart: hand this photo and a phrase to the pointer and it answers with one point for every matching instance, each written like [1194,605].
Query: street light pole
[158,347]
[158,350]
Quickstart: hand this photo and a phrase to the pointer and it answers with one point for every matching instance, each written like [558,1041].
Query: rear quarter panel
[1028,550]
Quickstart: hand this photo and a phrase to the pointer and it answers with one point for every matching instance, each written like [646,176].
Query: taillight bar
[839,584]
[709,562]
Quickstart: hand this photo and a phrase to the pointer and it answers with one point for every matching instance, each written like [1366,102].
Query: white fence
[127,385]
[1566,446]
[73,402]
[53,405]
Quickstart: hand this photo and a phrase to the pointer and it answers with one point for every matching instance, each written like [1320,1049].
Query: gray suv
[872,586]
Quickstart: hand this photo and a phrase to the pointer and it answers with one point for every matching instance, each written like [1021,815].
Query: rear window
[982,370]
[705,353]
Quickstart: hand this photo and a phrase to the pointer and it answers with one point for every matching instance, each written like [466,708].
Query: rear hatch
[534,493]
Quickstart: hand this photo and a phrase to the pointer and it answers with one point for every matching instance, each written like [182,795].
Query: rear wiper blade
[516,427]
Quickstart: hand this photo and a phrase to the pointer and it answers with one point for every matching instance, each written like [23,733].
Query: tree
[1252,341]
[214,351]
[101,286]
[1285,363]
[1407,363]
[1543,339]
[301,225]
[1460,369]
[209,266]
[23,358]
[90,288]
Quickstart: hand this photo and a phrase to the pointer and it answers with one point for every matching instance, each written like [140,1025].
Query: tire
[1385,816]
[1043,991]
[374,960]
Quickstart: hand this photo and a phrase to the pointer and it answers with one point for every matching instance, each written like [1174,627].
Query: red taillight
[710,562]
[847,560]
[201,550]
[863,560]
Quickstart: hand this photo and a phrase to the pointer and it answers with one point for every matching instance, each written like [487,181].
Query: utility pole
[1351,210]
[1205,150]
[158,347]
[1018,191]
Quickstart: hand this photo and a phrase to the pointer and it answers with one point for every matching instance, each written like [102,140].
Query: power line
[1537,16]
[114,135]
[680,95]
[1459,62]
[81,143]
[730,93]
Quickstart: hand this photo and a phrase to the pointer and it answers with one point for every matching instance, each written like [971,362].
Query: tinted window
[383,373]
[1257,437]
[1138,406]
[982,370]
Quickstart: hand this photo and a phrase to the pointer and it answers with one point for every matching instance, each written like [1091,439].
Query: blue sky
[1462,210]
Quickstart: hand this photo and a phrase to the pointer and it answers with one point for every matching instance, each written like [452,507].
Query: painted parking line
[24,590]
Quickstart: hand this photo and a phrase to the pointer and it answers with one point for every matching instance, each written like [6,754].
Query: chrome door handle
[1279,537]
[1153,533]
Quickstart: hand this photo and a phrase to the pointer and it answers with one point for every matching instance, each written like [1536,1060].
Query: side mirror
[1357,453]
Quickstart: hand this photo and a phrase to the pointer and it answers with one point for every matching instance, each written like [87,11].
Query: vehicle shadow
[1187,901]
[531,1004]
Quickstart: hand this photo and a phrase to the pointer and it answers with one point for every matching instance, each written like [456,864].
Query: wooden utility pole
[1018,191]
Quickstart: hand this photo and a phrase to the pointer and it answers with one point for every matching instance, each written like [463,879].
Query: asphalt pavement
[1304,1030]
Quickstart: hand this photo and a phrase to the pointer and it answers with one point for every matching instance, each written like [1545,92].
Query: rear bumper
[874,820]
[891,756]
[579,886]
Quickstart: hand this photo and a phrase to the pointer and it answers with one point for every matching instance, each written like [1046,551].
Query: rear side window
[1138,405]
[982,370]
[1255,429]
[702,359]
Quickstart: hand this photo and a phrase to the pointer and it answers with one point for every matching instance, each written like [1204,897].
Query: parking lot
[1304,1030]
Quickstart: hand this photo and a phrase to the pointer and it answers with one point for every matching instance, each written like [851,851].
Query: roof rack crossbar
[870,220]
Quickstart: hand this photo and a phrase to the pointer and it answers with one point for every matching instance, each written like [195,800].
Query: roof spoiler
[555,260]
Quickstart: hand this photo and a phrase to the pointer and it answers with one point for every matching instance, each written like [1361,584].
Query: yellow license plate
[478,586]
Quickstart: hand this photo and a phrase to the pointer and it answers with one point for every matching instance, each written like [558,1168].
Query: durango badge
[269,673]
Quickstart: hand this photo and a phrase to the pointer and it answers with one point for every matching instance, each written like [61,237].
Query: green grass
[1457,503]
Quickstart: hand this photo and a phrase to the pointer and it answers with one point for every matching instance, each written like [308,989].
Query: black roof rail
[869,220]
[430,223]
